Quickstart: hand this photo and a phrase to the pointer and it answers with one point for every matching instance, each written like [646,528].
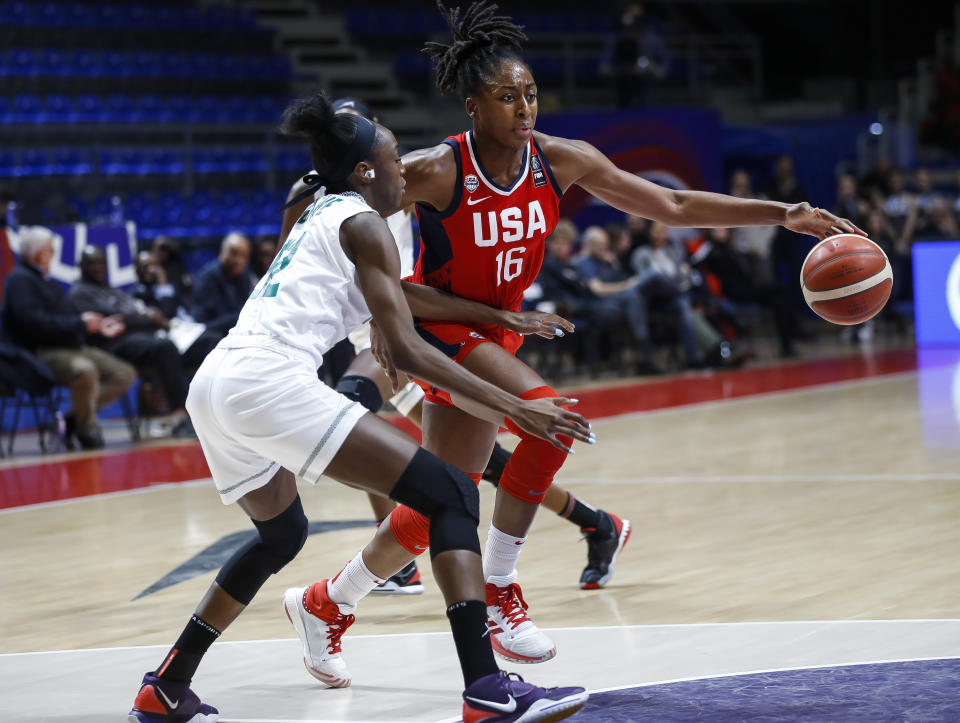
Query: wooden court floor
[834,498]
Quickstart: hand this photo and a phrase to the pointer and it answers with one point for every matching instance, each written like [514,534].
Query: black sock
[586,517]
[184,657]
[468,621]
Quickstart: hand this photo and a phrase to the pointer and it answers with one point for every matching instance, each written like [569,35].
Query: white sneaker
[513,635]
[320,632]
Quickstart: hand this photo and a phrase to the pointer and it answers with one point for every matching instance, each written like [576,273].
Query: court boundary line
[715,676]
[565,628]
[826,386]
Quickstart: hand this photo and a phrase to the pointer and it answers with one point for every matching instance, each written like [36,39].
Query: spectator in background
[598,304]
[636,58]
[264,252]
[37,315]
[224,285]
[900,207]
[152,288]
[788,249]
[849,202]
[752,242]
[877,179]
[663,267]
[719,258]
[166,252]
[138,342]
[926,200]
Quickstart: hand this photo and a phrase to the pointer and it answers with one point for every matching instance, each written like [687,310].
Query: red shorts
[457,341]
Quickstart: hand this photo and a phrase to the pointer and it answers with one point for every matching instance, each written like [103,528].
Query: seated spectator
[600,305]
[223,286]
[193,340]
[38,315]
[264,252]
[849,203]
[166,252]
[667,266]
[718,257]
[900,206]
[929,203]
[754,243]
[138,342]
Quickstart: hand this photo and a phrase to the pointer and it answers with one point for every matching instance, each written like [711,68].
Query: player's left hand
[804,218]
[398,379]
[548,326]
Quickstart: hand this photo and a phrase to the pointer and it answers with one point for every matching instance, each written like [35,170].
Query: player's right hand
[546,418]
[549,326]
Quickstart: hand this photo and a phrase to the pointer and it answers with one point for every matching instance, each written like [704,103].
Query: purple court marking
[914,691]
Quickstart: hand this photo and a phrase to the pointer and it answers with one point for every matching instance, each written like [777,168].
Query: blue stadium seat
[164,161]
[119,109]
[72,162]
[58,109]
[88,109]
[124,162]
[135,205]
[211,160]
[292,159]
[6,115]
[9,168]
[27,108]
[83,63]
[248,160]
[51,62]
[268,108]
[180,108]
[35,163]
[21,63]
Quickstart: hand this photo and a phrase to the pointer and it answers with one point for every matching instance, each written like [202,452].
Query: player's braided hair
[481,41]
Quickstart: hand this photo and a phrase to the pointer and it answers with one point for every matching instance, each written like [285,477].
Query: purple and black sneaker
[165,701]
[504,698]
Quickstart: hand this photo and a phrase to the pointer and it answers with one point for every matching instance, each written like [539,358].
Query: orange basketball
[846,279]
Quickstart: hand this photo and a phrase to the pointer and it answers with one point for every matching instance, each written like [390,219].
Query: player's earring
[369,173]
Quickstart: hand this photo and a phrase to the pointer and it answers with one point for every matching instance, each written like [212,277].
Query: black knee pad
[361,389]
[278,542]
[446,496]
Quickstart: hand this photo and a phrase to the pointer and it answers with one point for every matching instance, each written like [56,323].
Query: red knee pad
[411,529]
[534,463]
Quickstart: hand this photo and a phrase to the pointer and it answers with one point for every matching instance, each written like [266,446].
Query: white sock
[501,553]
[352,583]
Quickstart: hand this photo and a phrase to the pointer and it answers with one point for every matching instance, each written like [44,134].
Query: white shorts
[408,397]
[257,409]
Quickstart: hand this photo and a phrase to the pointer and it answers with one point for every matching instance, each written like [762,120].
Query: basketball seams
[857,287]
[837,258]
[869,313]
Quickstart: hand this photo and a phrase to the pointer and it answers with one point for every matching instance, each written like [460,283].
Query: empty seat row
[21,62]
[429,22]
[147,162]
[151,16]
[120,108]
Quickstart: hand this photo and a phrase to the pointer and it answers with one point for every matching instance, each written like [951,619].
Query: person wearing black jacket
[223,286]
[138,342]
[36,314]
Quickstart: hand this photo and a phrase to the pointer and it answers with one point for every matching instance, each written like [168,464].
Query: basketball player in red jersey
[365,382]
[487,199]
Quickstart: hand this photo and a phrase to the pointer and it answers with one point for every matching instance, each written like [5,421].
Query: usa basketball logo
[471,183]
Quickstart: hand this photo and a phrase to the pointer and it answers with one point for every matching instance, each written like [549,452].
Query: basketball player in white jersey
[365,382]
[264,419]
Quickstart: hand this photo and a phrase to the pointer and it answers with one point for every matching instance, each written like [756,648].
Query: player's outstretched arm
[367,242]
[429,303]
[578,162]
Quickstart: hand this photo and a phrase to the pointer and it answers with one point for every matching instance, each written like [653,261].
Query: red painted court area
[136,468]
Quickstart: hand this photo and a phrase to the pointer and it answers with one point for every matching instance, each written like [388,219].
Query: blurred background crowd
[159,119]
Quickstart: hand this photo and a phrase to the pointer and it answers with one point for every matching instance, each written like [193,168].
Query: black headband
[358,150]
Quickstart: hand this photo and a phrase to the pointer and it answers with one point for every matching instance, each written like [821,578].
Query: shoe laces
[335,630]
[511,604]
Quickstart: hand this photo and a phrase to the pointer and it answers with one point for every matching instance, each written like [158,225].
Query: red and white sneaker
[320,623]
[513,635]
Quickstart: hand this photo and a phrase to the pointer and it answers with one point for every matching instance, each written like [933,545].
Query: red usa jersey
[488,245]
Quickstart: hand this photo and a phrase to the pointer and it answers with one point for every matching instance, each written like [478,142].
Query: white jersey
[309,298]
[402,230]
